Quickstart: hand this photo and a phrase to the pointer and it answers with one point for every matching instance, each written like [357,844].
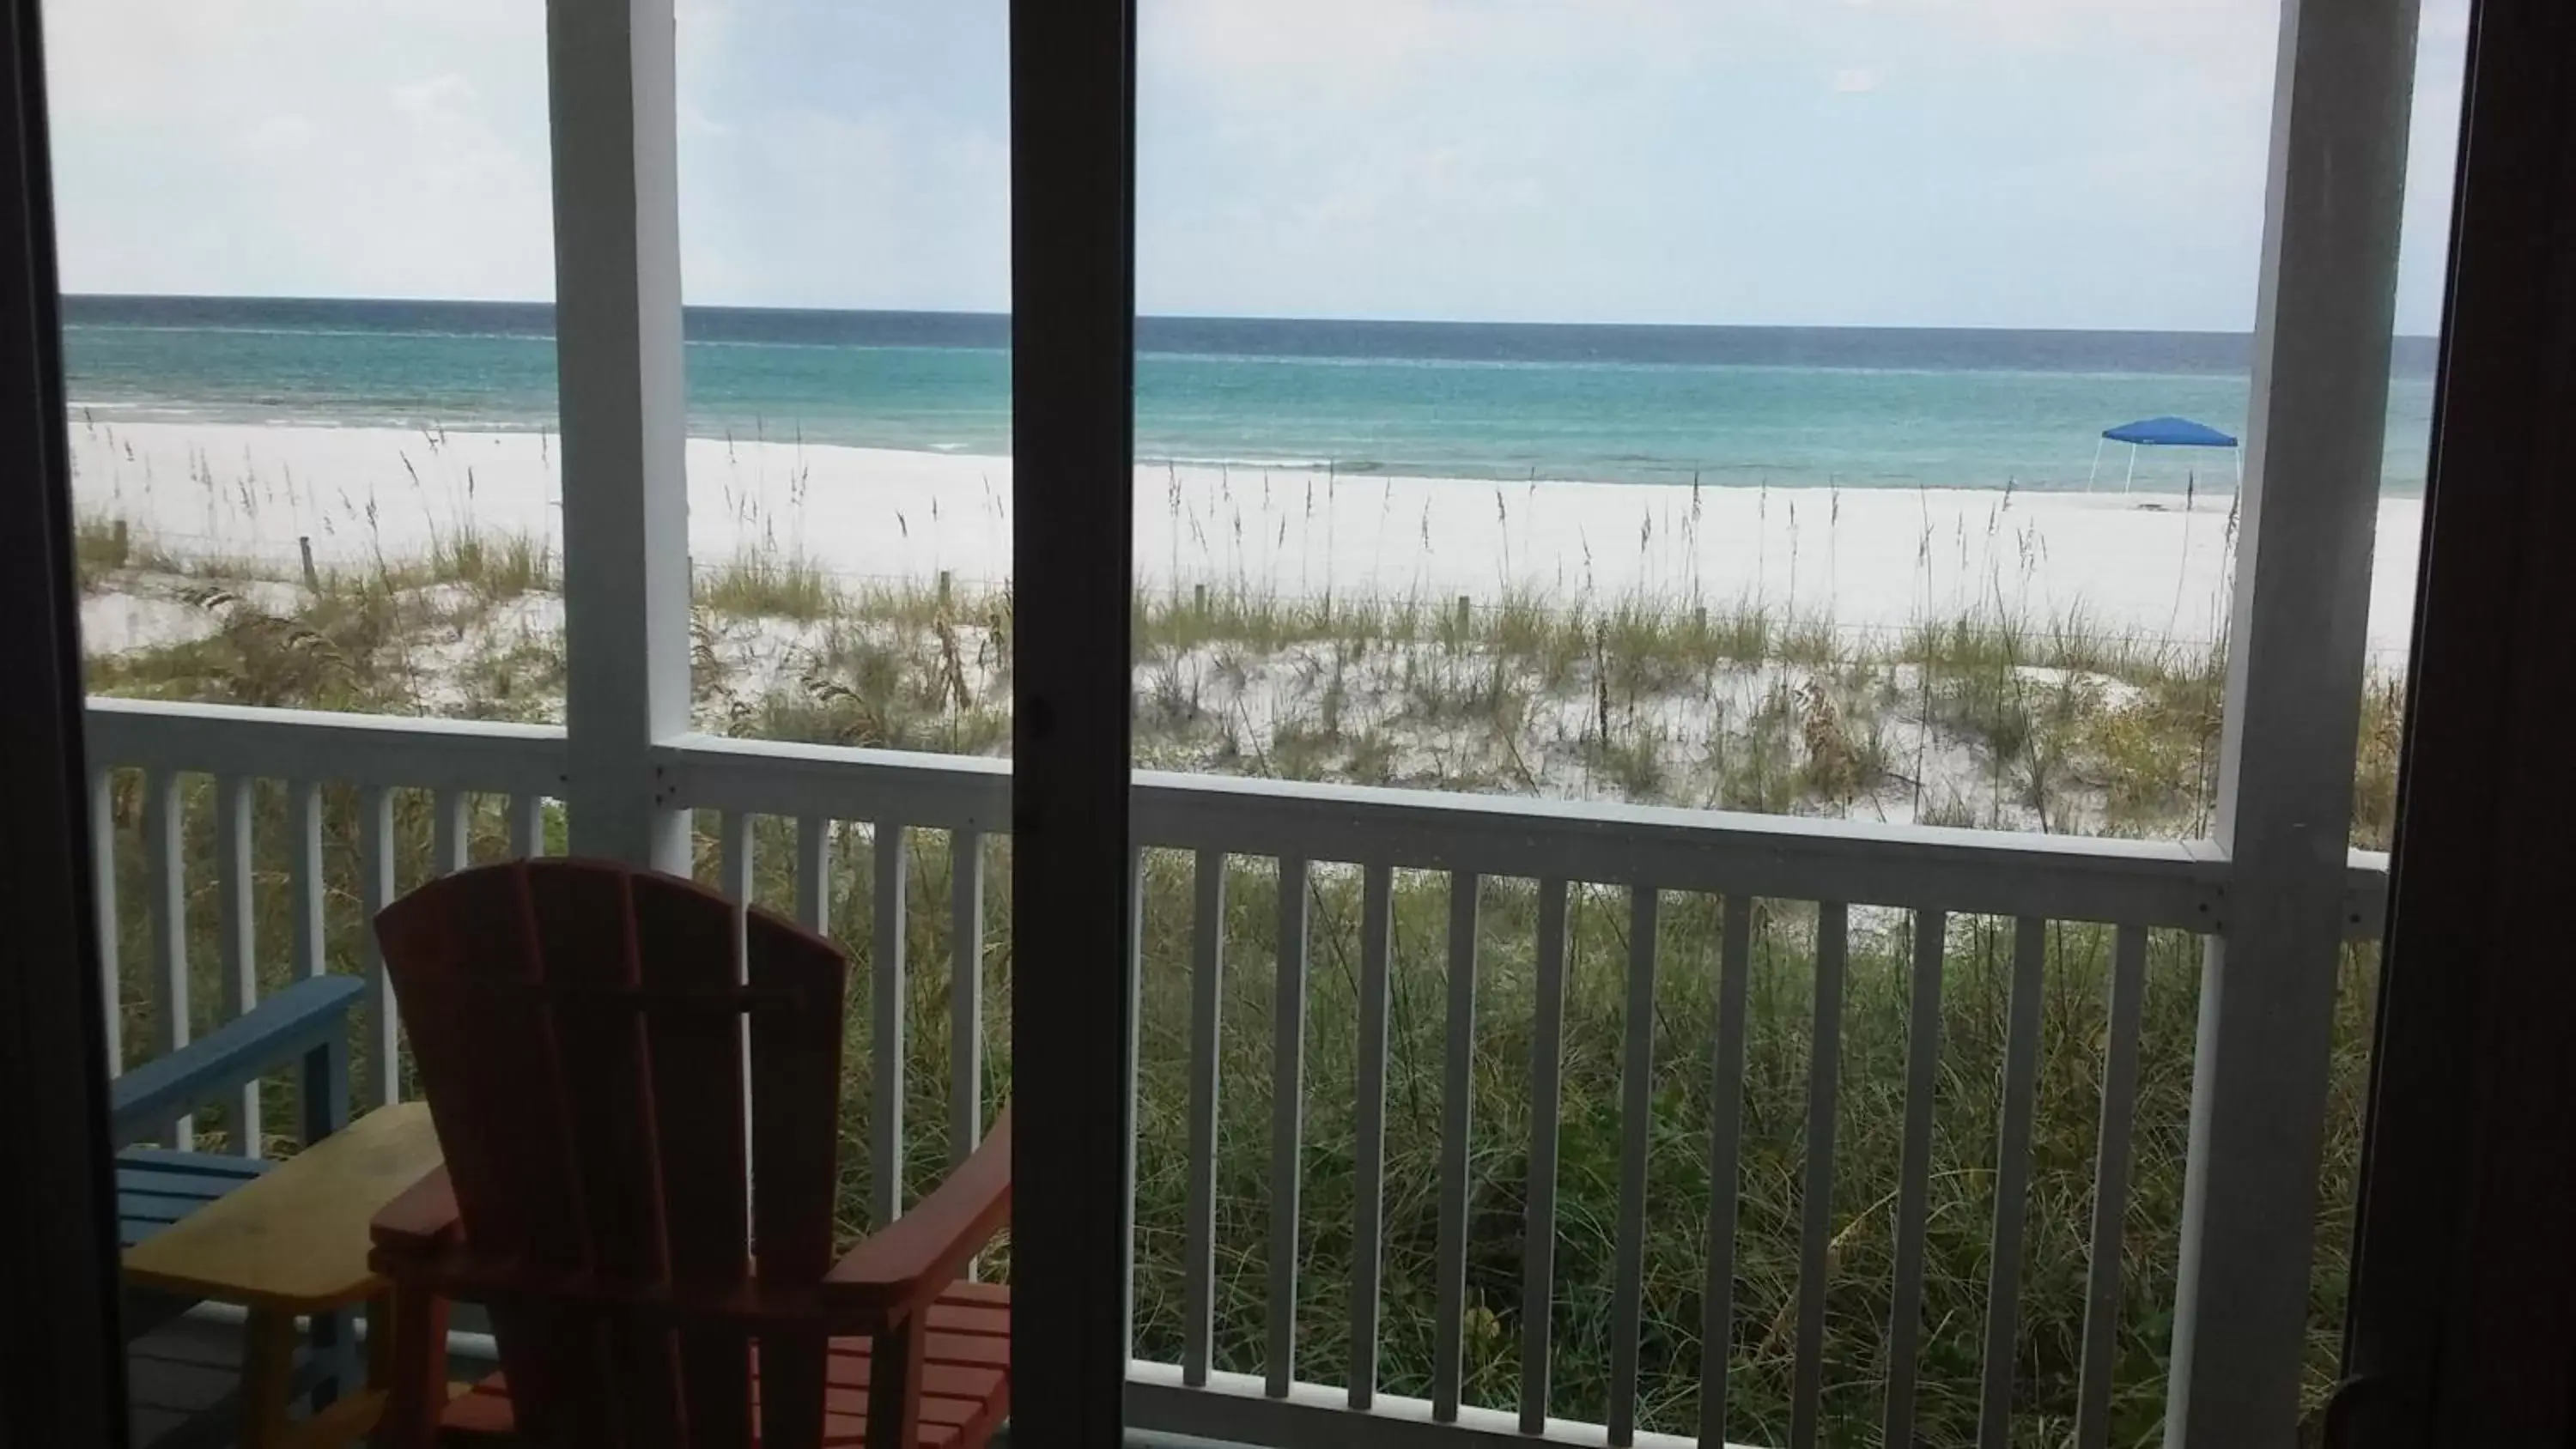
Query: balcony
[2055,917]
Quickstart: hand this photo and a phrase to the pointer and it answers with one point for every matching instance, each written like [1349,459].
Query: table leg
[268,1376]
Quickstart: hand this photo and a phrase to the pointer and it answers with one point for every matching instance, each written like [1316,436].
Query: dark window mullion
[1073,987]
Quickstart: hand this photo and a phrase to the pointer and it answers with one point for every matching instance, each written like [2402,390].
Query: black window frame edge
[62,1380]
[2461,1317]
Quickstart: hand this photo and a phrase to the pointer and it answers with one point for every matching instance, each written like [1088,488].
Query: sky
[2003,163]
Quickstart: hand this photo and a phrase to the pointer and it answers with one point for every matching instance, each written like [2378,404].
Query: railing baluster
[1538,1239]
[2111,1190]
[1636,1109]
[1134,966]
[1198,1252]
[453,833]
[102,869]
[1815,1239]
[312,941]
[375,892]
[1457,1118]
[1368,1219]
[885,1119]
[164,854]
[733,873]
[527,826]
[1914,1175]
[1287,1123]
[2012,1183]
[965,993]
[735,879]
[240,953]
[814,874]
[1726,1114]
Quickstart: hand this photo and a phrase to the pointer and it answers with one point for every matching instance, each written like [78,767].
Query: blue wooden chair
[304,1027]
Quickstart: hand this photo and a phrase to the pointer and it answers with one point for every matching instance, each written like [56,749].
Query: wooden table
[294,1242]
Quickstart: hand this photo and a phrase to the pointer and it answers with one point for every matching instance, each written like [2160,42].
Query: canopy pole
[2133,469]
[2097,464]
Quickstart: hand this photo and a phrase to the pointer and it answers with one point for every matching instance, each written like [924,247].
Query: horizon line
[980,314]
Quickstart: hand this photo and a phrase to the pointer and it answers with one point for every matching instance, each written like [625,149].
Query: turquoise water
[1791,407]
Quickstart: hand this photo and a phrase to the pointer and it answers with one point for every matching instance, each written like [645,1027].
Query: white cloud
[1667,161]
[2074,161]
[302,147]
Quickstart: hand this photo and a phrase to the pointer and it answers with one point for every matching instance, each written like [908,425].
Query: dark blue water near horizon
[1788,406]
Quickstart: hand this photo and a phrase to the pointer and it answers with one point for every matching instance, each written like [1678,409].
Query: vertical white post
[240,950]
[886,1025]
[1207,1007]
[451,833]
[1368,1192]
[111,981]
[2295,664]
[375,892]
[304,843]
[965,993]
[165,836]
[610,83]
[1288,1124]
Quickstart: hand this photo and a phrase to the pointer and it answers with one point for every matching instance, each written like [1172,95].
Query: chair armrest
[311,1013]
[905,1264]
[419,1221]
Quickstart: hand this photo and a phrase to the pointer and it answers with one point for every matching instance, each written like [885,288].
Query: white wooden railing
[1828,866]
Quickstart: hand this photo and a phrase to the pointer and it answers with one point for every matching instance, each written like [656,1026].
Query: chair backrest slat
[585,936]
[579,1031]
[458,954]
[795,1097]
[698,1101]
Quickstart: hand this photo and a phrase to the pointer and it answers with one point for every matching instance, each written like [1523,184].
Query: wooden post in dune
[303,546]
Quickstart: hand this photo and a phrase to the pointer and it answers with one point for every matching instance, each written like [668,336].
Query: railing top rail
[2146,882]
[298,744]
[2179,884]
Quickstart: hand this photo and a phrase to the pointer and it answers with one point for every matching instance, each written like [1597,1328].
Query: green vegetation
[1967,721]
[756,584]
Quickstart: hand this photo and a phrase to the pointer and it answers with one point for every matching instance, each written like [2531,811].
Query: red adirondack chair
[578,1029]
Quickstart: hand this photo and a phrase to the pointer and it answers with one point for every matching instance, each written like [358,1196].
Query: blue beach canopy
[2164,432]
[2169,433]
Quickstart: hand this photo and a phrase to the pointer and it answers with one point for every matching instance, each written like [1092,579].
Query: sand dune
[1868,559]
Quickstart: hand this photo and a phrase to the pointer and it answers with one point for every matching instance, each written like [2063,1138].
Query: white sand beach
[1867,559]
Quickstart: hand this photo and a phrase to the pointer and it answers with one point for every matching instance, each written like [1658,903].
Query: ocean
[1787,407]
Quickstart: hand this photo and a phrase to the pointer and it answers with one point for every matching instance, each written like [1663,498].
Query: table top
[295,1238]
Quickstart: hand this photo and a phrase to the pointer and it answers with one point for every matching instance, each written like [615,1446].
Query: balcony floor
[174,1375]
[179,1380]
[183,1369]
